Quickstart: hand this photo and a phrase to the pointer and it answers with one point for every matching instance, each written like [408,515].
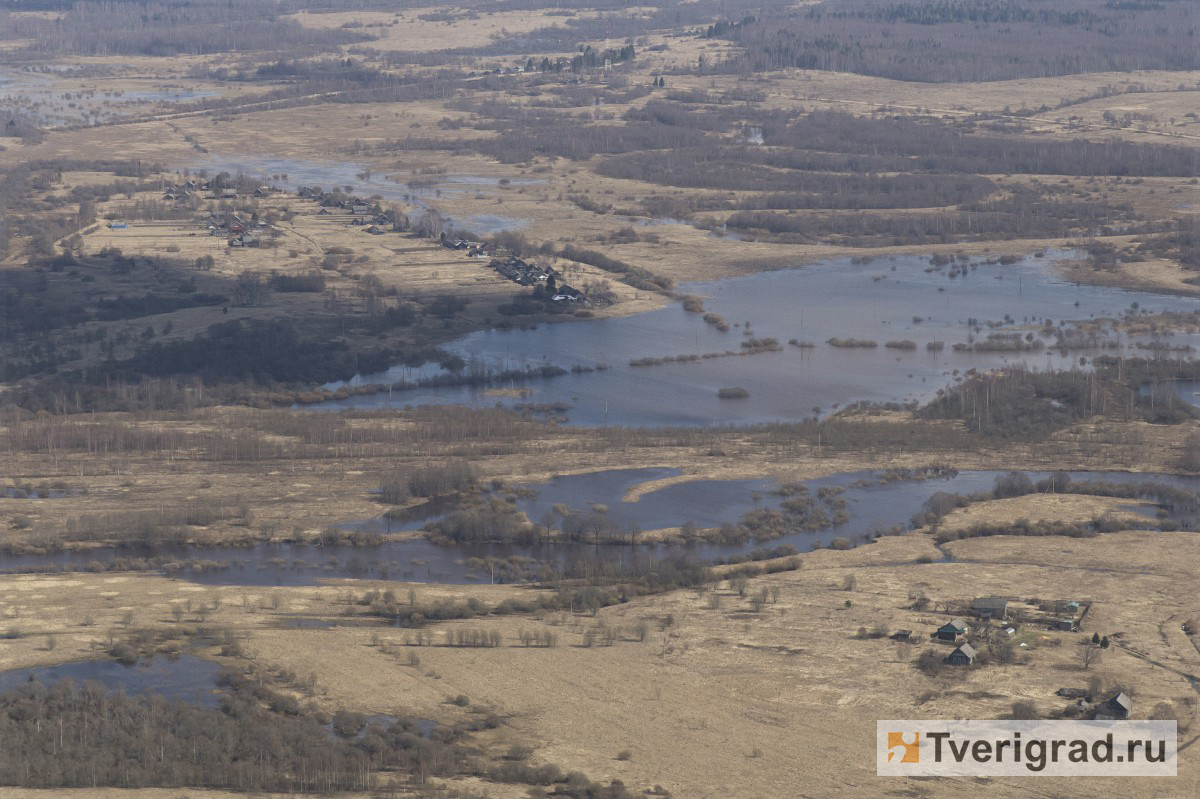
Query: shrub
[930,663]
[1025,710]
[1013,484]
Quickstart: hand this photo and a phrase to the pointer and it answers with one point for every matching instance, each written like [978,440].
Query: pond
[184,678]
[898,299]
[874,503]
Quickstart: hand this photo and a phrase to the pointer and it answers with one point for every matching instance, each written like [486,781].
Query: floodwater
[897,299]
[339,174]
[185,678]
[42,98]
[1186,390]
[875,504]
[705,503]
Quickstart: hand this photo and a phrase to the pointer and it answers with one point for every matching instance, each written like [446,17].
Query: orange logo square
[902,751]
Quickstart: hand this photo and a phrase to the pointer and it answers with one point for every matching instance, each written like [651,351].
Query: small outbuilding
[1117,707]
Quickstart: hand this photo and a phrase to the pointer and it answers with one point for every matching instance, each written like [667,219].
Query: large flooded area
[869,503]
[940,321]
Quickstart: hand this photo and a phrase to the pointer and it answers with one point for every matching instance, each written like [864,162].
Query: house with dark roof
[1117,707]
[989,607]
[963,655]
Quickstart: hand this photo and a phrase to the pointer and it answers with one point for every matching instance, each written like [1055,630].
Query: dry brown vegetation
[715,696]
[131,355]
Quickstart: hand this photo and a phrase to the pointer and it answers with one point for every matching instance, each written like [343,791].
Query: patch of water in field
[185,678]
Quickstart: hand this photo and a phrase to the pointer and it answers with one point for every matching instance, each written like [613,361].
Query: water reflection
[922,309]
[874,503]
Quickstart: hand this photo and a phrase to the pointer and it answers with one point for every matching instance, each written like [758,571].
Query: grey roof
[989,603]
[1121,700]
[966,649]
[954,624]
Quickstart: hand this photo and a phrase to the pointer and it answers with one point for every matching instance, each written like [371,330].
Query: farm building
[989,608]
[1117,707]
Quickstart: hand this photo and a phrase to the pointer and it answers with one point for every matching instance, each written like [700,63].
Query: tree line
[965,40]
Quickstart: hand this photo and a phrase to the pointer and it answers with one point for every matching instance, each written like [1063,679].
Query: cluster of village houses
[1066,617]
[242,231]
[526,274]
[362,214]
[239,231]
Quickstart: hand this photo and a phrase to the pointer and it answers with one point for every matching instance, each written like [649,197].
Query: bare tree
[430,224]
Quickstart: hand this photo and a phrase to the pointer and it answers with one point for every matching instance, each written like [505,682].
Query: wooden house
[951,630]
[1117,707]
[990,607]
[963,655]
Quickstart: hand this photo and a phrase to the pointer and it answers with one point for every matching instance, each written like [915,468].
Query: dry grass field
[717,700]
[432,27]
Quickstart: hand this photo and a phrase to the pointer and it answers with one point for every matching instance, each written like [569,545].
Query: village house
[989,608]
[567,294]
[1117,707]
[951,630]
[963,655]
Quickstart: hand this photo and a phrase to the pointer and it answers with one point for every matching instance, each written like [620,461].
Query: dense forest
[967,40]
[70,735]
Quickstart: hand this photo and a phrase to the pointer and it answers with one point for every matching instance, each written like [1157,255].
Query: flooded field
[874,503]
[185,678]
[905,328]
[42,97]
[291,173]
